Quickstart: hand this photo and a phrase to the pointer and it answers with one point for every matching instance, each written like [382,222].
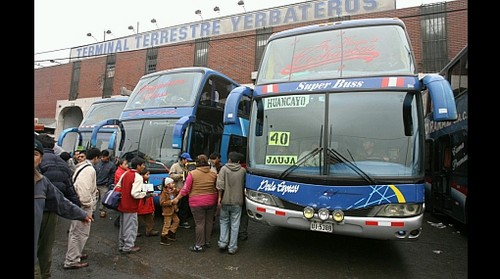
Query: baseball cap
[39,147]
[186,155]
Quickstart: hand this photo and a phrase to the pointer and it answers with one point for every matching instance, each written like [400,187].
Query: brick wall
[231,54]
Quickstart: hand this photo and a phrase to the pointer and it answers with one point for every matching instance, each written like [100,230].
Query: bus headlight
[323,214]
[263,198]
[338,215]
[308,212]
[400,210]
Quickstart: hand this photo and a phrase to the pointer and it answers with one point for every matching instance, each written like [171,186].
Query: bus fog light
[308,212]
[338,215]
[323,214]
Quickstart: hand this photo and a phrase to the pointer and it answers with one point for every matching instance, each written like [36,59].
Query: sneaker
[232,252]
[196,248]
[185,225]
[132,250]
[164,241]
[171,236]
[76,265]
[153,233]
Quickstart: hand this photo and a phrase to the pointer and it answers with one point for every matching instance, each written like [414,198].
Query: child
[147,209]
[169,211]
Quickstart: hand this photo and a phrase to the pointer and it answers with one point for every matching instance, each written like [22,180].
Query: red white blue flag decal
[270,88]
[393,82]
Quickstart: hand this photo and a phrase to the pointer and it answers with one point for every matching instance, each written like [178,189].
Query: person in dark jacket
[48,197]
[105,177]
[57,171]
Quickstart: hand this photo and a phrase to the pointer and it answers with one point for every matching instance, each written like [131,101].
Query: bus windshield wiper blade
[300,162]
[339,157]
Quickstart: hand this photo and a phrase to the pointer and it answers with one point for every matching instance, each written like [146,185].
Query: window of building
[151,60]
[107,89]
[201,52]
[434,42]
[260,43]
[75,80]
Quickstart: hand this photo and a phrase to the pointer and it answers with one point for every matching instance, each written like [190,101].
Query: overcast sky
[63,24]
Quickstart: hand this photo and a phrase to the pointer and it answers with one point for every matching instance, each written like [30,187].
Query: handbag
[112,199]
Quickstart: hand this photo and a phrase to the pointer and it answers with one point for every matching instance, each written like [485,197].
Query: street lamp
[106,32]
[90,35]
[154,21]
[130,27]
[198,12]
[242,3]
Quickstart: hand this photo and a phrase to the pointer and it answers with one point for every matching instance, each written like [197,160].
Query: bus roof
[203,70]
[111,100]
[337,25]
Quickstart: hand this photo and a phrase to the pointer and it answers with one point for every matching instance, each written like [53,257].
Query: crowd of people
[71,187]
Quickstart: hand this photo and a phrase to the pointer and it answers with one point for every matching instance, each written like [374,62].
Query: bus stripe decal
[270,88]
[270,211]
[384,224]
[392,82]
[399,195]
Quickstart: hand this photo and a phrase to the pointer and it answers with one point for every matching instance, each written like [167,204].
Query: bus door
[441,174]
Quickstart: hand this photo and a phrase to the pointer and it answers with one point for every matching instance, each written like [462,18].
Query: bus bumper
[408,228]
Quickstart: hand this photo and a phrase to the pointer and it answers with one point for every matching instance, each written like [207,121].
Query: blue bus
[325,97]
[192,109]
[446,146]
[107,138]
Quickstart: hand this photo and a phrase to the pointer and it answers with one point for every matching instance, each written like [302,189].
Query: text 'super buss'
[336,135]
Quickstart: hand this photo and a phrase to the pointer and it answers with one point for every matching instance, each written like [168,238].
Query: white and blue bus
[107,138]
[182,110]
[446,145]
[321,93]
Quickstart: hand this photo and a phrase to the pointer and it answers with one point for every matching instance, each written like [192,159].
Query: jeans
[229,220]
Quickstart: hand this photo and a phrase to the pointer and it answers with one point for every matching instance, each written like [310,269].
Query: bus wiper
[339,157]
[301,161]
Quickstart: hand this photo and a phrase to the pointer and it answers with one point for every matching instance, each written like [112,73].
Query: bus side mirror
[444,106]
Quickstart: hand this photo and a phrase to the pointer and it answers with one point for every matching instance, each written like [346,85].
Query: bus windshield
[151,139]
[165,90]
[354,133]
[354,52]
[102,110]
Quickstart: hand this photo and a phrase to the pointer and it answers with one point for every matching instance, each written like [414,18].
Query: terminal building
[232,45]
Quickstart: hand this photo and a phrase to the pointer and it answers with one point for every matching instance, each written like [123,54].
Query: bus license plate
[321,227]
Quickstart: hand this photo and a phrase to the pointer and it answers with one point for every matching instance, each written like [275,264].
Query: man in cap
[178,172]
